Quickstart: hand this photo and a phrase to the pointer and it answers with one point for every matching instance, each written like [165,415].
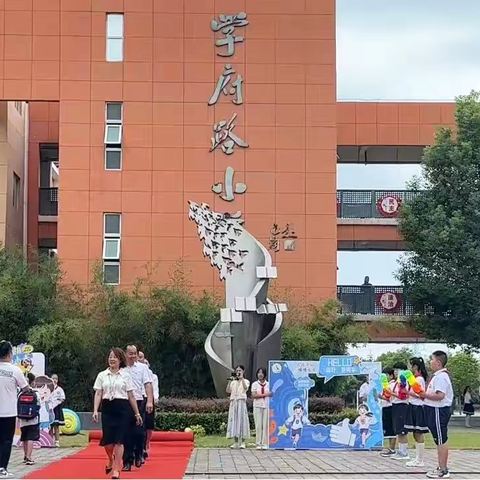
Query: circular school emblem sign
[388,205]
[389,301]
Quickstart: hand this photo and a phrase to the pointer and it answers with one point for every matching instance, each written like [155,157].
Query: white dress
[238,422]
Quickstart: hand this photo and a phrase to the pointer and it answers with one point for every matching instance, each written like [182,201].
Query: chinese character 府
[222,84]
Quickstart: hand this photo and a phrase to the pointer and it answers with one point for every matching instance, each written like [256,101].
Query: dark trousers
[135,437]
[7,431]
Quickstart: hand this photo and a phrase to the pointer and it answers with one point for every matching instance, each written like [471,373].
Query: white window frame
[112,235]
[110,36]
[105,241]
[111,264]
[116,125]
[113,149]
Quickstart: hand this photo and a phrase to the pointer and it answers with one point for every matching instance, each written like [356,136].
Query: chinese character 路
[223,81]
[224,136]
[227,24]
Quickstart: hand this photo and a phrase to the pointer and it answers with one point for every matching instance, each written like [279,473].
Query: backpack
[27,405]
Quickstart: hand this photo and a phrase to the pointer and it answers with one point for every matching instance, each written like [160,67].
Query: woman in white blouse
[56,401]
[114,392]
[238,424]
[261,393]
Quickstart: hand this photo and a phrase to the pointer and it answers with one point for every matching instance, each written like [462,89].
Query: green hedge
[214,423]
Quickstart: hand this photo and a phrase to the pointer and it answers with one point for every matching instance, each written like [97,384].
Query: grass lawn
[457,439]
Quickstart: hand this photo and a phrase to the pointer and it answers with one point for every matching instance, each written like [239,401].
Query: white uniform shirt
[417,400]
[364,390]
[237,391]
[388,403]
[257,388]
[396,388]
[440,382]
[140,376]
[11,378]
[114,386]
[155,388]
[57,398]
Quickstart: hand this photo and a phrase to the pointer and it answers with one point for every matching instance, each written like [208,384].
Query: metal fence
[372,203]
[373,300]
[48,201]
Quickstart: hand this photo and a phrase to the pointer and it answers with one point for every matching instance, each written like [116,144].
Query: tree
[322,332]
[464,369]
[389,359]
[441,228]
[28,292]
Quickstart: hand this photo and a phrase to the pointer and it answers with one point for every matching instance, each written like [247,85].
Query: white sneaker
[5,474]
[264,447]
[242,446]
[57,444]
[259,447]
[415,463]
[235,445]
[398,456]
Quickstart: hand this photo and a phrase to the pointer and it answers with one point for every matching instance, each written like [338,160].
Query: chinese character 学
[223,81]
[227,24]
[223,136]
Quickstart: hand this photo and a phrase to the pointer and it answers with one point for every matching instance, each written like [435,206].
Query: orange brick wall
[55,50]
[390,123]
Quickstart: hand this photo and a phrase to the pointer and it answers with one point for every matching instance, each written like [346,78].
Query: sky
[409,50]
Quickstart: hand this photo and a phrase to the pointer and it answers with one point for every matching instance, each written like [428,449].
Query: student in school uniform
[416,422]
[399,401]
[438,403]
[30,429]
[387,416]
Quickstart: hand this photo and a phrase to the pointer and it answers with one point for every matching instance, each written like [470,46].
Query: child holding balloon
[399,401]
[416,422]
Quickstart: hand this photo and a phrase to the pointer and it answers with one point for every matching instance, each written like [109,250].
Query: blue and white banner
[289,426]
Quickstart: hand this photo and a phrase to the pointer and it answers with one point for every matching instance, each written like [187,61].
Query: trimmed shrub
[220,405]
[214,423]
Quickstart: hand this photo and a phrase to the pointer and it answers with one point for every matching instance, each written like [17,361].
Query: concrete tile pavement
[42,457]
[226,463]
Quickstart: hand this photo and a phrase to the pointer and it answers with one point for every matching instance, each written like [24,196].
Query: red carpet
[168,458]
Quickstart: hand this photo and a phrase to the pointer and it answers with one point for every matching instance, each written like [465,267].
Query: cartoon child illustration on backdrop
[363,422]
[297,422]
[44,388]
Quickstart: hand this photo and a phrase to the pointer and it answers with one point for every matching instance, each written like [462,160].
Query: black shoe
[127,468]
[116,475]
[138,462]
[145,454]
[108,470]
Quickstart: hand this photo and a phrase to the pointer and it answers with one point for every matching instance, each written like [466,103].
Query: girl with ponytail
[416,421]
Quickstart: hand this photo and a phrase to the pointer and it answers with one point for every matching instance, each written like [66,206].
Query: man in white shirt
[438,403]
[149,417]
[142,387]
[364,391]
[11,379]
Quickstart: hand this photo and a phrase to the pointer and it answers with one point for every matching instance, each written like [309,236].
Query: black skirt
[416,421]
[116,419]
[468,409]
[59,418]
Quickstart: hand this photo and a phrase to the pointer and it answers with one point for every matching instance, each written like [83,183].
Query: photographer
[238,426]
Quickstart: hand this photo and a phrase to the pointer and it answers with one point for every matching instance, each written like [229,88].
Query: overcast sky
[408,50]
[405,50]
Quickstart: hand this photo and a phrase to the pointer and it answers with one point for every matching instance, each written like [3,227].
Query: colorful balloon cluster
[412,381]
[384,381]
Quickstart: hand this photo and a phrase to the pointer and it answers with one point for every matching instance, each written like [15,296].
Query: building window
[16,191]
[111,273]
[19,107]
[111,248]
[113,136]
[114,48]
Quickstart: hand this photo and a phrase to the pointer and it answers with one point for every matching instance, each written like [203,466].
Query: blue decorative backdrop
[288,415]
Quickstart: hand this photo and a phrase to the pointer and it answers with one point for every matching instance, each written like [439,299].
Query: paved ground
[230,464]
[233,464]
[41,456]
